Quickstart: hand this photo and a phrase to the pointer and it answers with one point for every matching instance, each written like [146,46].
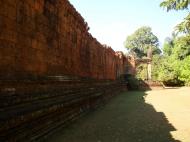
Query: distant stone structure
[149,53]
[149,66]
[131,65]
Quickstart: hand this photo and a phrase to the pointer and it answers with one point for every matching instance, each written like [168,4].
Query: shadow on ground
[126,118]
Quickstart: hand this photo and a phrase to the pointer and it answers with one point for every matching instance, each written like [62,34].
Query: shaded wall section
[30,111]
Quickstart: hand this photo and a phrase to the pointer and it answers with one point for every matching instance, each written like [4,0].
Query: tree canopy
[168,45]
[174,64]
[175,4]
[184,26]
[141,41]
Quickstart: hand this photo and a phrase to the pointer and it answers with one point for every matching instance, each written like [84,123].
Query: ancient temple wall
[48,38]
[40,40]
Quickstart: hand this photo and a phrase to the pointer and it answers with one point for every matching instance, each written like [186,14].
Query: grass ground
[153,116]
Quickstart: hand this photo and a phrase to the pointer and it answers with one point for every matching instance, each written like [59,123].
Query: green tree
[167,47]
[185,71]
[175,68]
[156,62]
[184,26]
[169,71]
[175,4]
[141,41]
[142,71]
[181,47]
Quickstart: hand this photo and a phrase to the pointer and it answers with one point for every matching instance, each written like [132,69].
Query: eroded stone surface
[49,37]
[51,68]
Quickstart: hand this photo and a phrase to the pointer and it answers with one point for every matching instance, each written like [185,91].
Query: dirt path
[175,103]
[154,116]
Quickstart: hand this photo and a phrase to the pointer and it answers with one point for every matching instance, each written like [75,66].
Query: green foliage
[175,4]
[142,68]
[141,40]
[174,65]
[169,71]
[156,62]
[167,47]
[142,71]
[134,83]
[182,47]
[185,71]
[184,26]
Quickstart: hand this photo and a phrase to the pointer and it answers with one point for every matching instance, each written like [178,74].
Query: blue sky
[111,21]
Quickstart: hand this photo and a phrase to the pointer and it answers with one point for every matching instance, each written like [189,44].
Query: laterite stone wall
[52,69]
[49,37]
[30,111]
